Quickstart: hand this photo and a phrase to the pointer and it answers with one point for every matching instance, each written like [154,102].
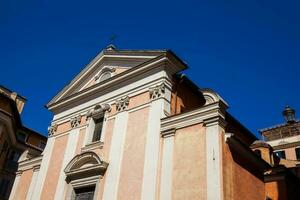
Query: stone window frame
[103,71]
[84,170]
[97,112]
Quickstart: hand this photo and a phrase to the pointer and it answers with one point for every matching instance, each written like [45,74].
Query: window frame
[91,129]
[276,153]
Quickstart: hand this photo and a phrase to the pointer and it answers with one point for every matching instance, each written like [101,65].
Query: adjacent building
[285,138]
[281,148]
[132,126]
[14,139]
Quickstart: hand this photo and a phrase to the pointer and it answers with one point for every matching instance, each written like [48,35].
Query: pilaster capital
[217,120]
[52,129]
[19,173]
[168,133]
[75,121]
[157,91]
[36,168]
[122,103]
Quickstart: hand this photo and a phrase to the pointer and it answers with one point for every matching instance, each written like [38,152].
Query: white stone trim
[115,157]
[32,184]
[213,161]
[30,163]
[68,156]
[152,150]
[283,141]
[167,168]
[133,89]
[15,186]
[90,67]
[44,168]
[211,111]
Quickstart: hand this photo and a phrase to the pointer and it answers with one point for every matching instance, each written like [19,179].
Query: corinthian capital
[75,121]
[122,104]
[52,129]
[157,91]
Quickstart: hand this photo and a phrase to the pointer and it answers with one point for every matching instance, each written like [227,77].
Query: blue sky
[248,51]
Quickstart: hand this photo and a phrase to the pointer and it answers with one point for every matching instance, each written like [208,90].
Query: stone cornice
[211,114]
[118,80]
[30,163]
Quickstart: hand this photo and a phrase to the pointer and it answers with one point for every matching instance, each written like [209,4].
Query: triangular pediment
[108,60]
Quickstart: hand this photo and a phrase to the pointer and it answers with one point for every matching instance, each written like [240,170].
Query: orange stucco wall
[54,167]
[276,190]
[23,185]
[35,140]
[290,153]
[184,98]
[189,164]
[237,181]
[132,165]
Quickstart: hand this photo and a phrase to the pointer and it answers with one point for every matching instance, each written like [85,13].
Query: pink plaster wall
[54,168]
[132,166]
[23,185]
[106,149]
[189,164]
[138,100]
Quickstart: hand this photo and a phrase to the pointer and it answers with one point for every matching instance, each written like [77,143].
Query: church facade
[131,126]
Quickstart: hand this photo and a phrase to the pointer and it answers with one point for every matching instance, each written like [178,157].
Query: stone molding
[75,121]
[168,133]
[209,115]
[98,111]
[103,70]
[216,120]
[85,165]
[19,173]
[157,91]
[52,129]
[122,103]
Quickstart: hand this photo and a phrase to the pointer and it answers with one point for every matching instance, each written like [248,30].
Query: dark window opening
[42,144]
[280,154]
[86,193]
[297,153]
[22,137]
[98,129]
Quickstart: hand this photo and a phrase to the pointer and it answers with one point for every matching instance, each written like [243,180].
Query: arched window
[83,174]
[104,76]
